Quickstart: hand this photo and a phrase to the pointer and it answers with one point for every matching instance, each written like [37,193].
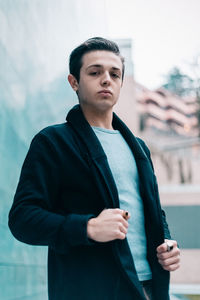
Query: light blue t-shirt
[123,167]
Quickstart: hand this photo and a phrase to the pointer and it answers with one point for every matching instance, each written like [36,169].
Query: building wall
[126,107]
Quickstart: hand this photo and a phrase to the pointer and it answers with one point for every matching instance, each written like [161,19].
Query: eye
[94,73]
[115,75]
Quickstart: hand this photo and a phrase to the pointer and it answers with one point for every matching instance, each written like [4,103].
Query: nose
[105,79]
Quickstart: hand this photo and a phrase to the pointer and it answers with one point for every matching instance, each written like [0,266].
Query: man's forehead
[101,58]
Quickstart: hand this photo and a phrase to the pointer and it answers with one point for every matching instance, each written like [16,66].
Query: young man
[87,190]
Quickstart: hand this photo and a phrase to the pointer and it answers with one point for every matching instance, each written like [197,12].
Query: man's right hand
[109,225]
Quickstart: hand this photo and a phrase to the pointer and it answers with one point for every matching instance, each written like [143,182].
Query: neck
[98,118]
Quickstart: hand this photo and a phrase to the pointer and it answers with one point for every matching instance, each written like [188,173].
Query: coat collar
[83,129]
[94,154]
[77,120]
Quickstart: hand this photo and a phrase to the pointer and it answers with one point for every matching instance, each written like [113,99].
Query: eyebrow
[100,66]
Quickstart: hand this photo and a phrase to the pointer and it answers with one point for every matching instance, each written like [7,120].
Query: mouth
[105,92]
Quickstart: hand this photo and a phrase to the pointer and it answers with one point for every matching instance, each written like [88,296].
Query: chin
[105,106]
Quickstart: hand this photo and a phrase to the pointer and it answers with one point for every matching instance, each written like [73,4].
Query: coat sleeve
[167,234]
[32,218]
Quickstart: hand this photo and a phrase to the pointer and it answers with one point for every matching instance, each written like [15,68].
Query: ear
[73,82]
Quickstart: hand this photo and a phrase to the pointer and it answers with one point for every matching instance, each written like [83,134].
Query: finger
[163,247]
[111,212]
[166,254]
[124,213]
[124,223]
[171,267]
[120,219]
[169,261]
[123,229]
[120,235]
[118,211]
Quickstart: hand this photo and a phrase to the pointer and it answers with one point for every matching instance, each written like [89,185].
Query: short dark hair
[92,44]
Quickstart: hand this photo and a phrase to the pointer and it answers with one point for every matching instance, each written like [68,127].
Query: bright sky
[164,33]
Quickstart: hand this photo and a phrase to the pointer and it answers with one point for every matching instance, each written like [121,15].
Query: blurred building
[126,49]
[170,126]
[126,107]
[168,113]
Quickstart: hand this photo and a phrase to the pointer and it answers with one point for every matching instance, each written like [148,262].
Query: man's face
[100,80]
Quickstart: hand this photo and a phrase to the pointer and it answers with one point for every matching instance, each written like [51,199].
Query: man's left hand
[169,260]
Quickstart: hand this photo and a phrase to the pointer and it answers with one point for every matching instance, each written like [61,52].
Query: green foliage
[178,82]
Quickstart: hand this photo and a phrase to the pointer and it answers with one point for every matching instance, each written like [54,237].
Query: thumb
[162,248]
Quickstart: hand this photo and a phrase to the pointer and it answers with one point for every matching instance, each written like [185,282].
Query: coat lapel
[143,164]
[147,181]
[95,155]
[145,171]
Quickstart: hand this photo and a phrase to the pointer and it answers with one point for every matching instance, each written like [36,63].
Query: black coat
[65,180]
